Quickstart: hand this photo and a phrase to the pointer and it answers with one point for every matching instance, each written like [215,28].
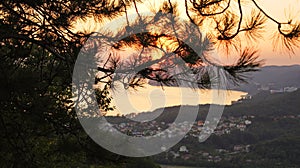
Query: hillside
[262,104]
[272,138]
[261,132]
[271,77]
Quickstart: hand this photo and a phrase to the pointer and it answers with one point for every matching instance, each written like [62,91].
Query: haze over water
[149,98]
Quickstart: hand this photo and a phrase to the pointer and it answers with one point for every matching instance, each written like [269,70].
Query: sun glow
[278,9]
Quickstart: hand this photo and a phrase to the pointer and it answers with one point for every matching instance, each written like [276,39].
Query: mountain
[271,77]
[262,104]
[272,139]
[268,78]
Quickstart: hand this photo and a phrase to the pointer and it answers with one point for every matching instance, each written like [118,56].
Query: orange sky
[278,9]
[281,11]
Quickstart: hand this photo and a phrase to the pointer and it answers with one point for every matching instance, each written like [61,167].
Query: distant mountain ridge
[271,77]
[262,104]
[268,78]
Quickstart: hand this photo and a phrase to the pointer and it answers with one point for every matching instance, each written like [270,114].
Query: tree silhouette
[39,48]
[229,26]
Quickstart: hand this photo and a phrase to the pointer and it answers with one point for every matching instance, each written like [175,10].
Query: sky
[278,9]
[281,11]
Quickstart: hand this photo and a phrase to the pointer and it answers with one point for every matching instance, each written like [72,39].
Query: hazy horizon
[150,98]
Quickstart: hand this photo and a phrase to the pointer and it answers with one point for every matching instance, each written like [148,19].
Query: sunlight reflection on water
[150,98]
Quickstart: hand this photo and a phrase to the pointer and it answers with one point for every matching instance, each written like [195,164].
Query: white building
[248,122]
[277,91]
[290,89]
[183,149]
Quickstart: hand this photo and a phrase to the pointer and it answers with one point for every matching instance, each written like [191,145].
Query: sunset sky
[281,11]
[278,9]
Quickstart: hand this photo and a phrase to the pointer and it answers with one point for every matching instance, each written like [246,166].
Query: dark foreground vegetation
[39,46]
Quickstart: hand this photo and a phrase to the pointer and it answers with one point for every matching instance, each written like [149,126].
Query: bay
[149,98]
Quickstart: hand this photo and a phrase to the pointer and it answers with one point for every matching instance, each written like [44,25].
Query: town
[152,128]
[226,125]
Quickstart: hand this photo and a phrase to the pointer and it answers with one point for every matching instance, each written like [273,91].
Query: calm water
[150,98]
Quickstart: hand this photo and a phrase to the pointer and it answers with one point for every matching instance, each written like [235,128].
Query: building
[290,89]
[183,149]
[284,90]
[246,97]
[276,91]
